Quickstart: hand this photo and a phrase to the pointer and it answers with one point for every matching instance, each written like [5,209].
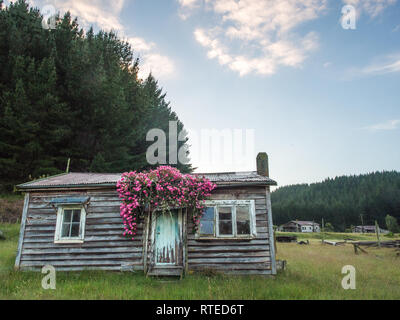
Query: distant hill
[341,200]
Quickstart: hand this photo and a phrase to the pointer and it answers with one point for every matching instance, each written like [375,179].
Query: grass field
[313,272]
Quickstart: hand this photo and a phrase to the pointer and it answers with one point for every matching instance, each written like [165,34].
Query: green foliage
[392,224]
[329,227]
[66,94]
[341,200]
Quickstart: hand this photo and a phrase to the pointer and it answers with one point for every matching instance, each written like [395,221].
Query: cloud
[382,65]
[373,8]
[387,67]
[257,36]
[105,15]
[186,7]
[388,125]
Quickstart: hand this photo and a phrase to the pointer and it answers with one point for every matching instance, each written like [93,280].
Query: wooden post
[362,223]
[271,231]
[377,230]
[146,240]
[22,231]
[323,230]
[68,163]
[185,243]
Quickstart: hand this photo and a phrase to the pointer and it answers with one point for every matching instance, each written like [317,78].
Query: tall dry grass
[313,272]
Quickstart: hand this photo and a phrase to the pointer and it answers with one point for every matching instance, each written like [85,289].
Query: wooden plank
[22,231]
[105,227]
[50,233]
[76,263]
[48,211]
[105,215]
[271,231]
[110,245]
[219,242]
[40,228]
[103,220]
[238,248]
[263,224]
[95,257]
[223,260]
[111,233]
[105,209]
[120,268]
[262,229]
[75,269]
[50,214]
[87,239]
[225,267]
[259,236]
[146,242]
[185,242]
[233,193]
[79,251]
[229,254]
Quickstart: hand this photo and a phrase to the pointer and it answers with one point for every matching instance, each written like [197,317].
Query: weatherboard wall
[105,247]
[234,256]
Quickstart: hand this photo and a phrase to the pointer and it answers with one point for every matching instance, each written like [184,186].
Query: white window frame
[233,204]
[60,216]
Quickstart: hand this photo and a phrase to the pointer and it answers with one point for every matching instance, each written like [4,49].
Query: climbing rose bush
[160,189]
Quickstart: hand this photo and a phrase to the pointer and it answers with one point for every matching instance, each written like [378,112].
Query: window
[225,225]
[207,222]
[228,219]
[70,226]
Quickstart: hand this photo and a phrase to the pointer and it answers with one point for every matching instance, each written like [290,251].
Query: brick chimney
[262,164]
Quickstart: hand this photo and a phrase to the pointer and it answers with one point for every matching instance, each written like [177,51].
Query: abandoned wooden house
[72,222]
[300,226]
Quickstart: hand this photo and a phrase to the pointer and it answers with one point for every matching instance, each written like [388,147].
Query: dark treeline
[66,93]
[341,201]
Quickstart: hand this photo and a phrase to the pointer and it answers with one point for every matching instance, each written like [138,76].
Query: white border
[57,236]
[233,204]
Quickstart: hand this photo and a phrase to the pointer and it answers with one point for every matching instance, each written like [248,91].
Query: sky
[314,83]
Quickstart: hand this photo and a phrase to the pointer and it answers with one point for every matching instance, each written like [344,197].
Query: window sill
[68,241]
[249,238]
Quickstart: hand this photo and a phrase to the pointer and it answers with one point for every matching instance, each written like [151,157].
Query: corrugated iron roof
[304,223]
[67,180]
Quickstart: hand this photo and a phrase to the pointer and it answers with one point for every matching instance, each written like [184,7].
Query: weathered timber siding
[104,247]
[234,256]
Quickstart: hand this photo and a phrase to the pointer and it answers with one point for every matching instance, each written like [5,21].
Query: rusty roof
[82,180]
[303,223]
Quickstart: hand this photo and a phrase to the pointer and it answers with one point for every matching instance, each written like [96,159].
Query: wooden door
[168,239]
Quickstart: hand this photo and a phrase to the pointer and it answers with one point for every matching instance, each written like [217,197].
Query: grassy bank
[314,272]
